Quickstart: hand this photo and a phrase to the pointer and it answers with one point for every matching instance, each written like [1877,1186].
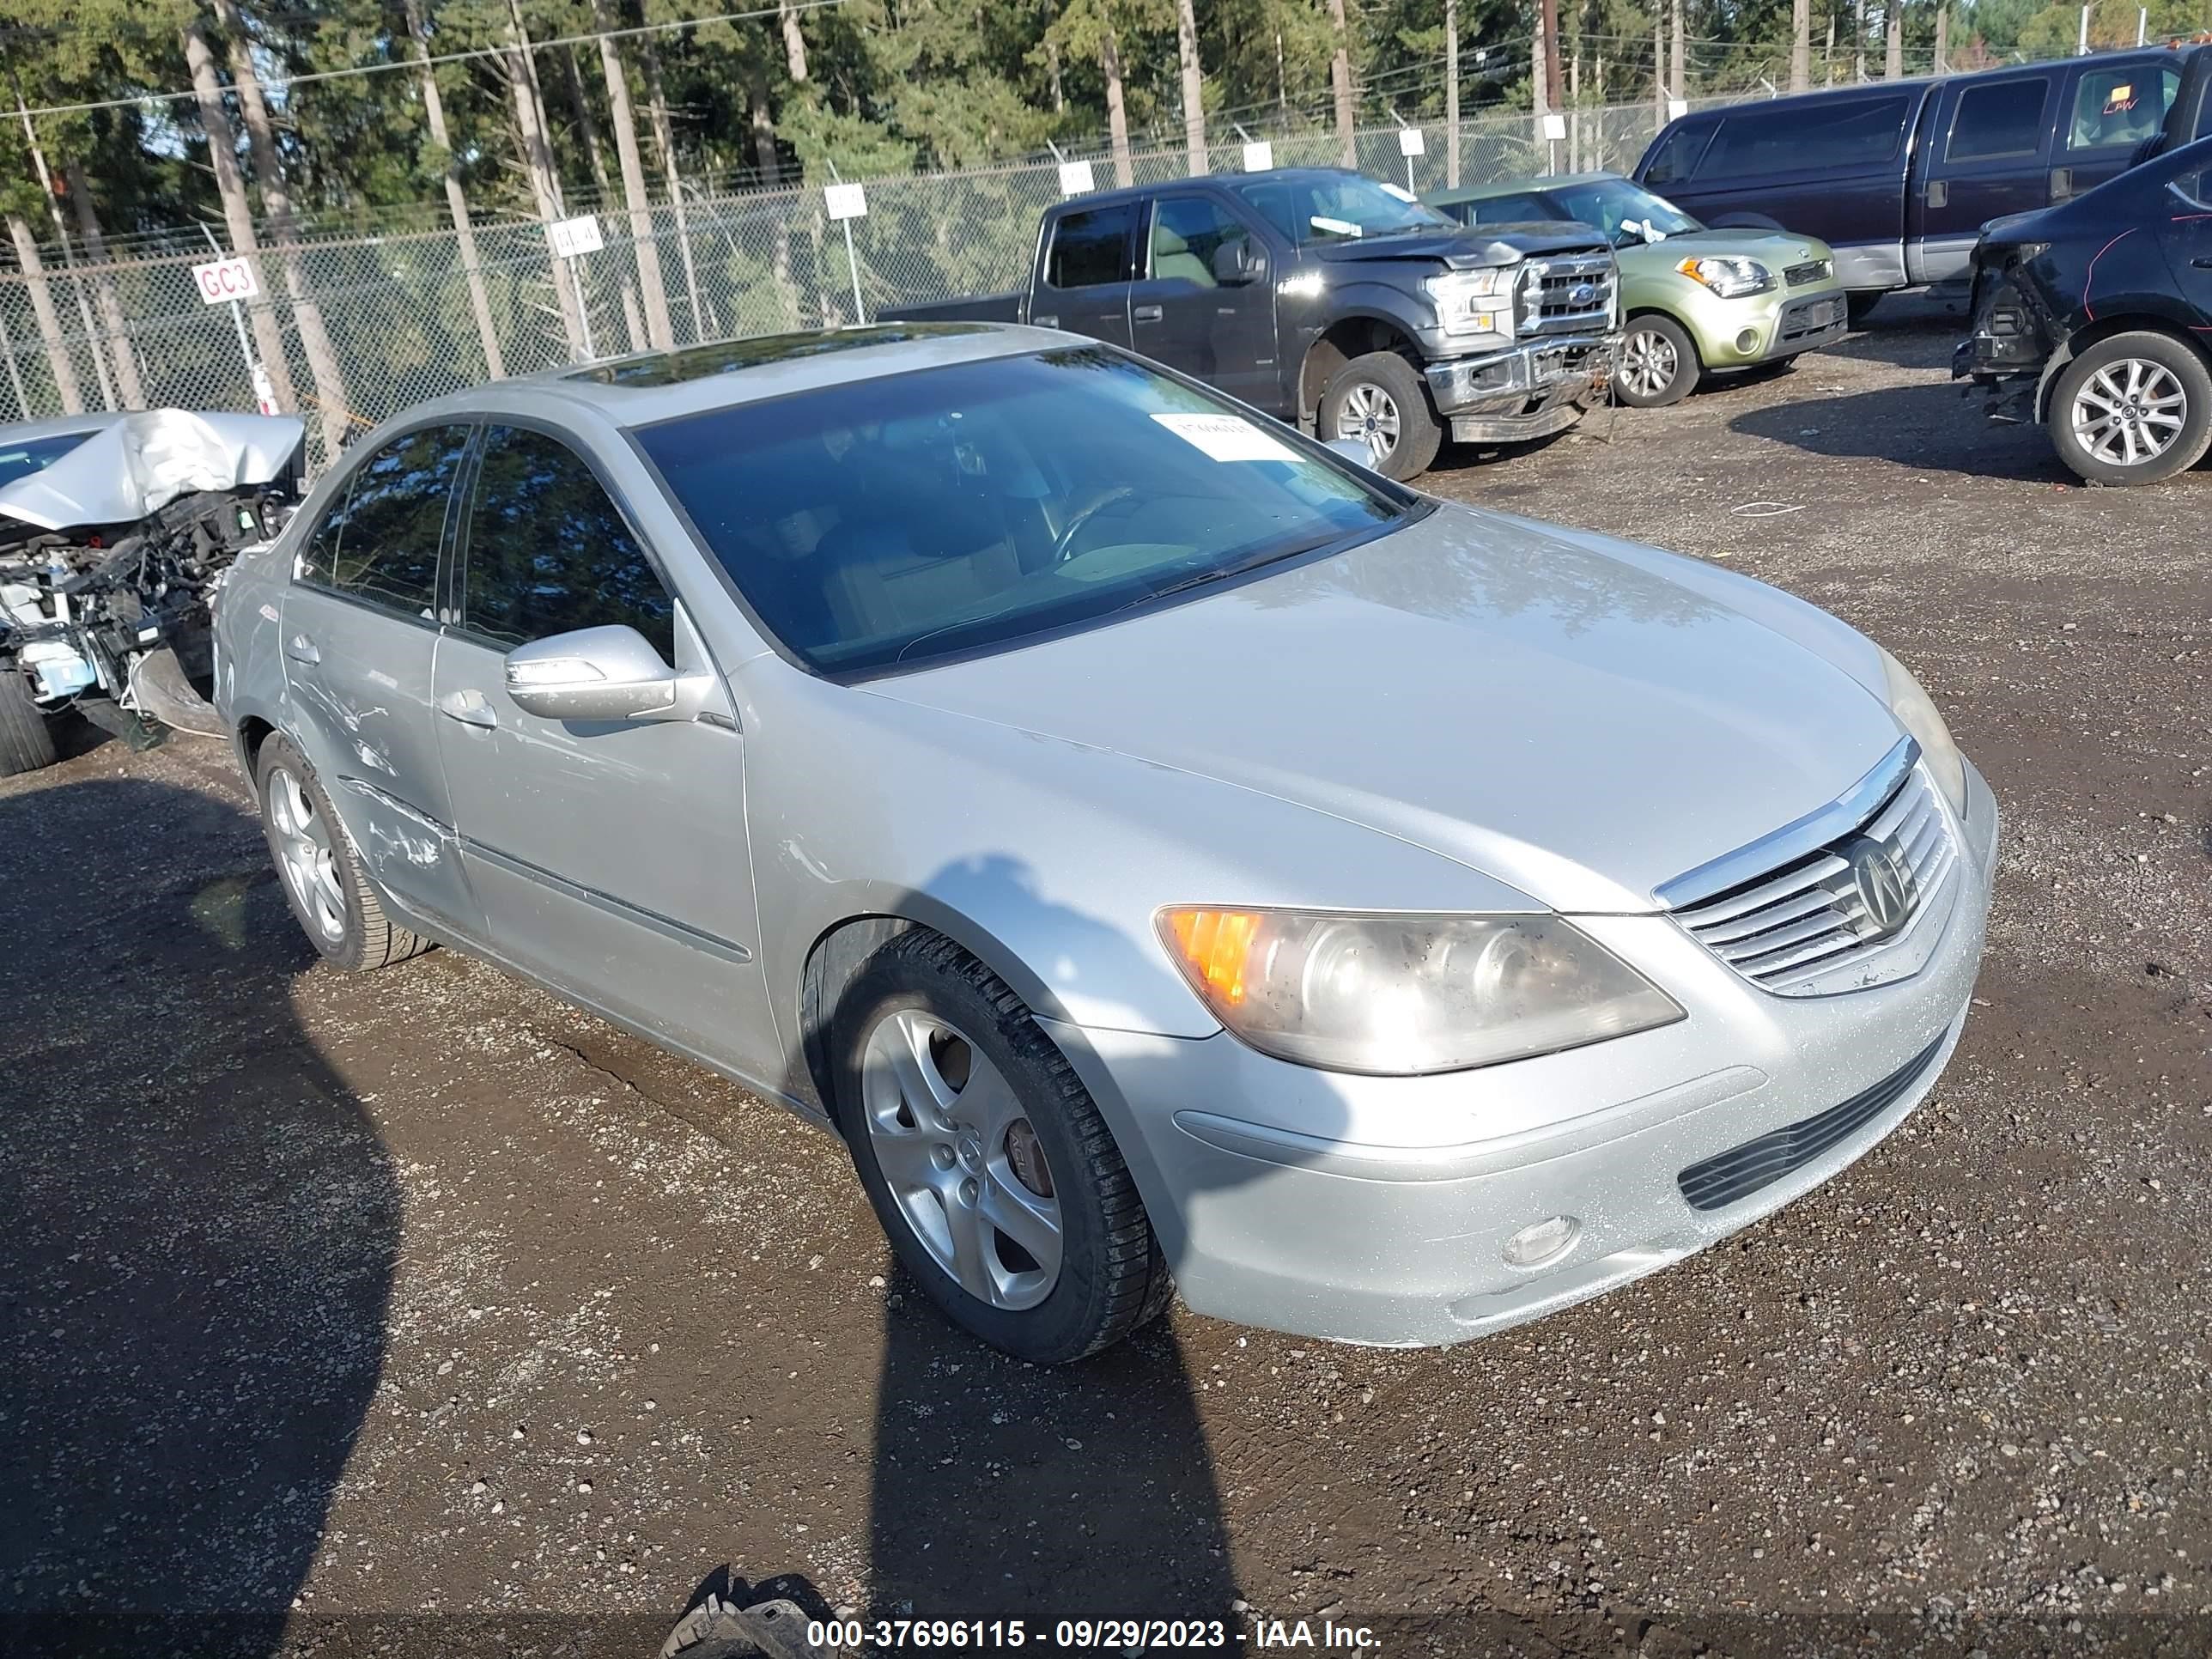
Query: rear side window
[380,543]
[1676,158]
[2123,105]
[1808,138]
[2002,118]
[548,551]
[1090,249]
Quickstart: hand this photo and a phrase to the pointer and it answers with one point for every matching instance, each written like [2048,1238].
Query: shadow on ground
[1936,428]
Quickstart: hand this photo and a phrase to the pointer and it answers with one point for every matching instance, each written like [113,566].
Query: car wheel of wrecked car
[323,880]
[27,742]
[1658,363]
[998,1183]
[2132,408]
[1379,400]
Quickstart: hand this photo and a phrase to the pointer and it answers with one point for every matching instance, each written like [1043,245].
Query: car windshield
[19,459]
[1620,210]
[1337,207]
[890,521]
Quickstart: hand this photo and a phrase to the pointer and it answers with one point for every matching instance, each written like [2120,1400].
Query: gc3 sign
[224,280]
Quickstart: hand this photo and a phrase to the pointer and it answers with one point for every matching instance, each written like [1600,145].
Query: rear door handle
[302,649]
[2204,264]
[1148,313]
[1939,193]
[469,708]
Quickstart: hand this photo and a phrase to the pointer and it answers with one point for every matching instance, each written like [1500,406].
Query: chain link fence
[406,319]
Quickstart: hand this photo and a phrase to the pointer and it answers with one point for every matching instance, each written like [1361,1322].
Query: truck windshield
[1622,211]
[890,521]
[1336,207]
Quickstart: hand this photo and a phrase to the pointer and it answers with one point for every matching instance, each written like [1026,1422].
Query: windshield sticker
[1321,221]
[1226,438]
[2122,101]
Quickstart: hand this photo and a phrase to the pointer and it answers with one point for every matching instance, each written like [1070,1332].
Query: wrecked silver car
[114,531]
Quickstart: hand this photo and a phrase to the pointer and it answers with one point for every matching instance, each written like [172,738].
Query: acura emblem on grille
[1882,888]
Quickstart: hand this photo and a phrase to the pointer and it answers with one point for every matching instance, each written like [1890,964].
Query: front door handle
[1148,313]
[2203,263]
[469,708]
[302,649]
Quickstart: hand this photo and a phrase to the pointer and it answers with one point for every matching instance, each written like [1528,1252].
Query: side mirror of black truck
[1236,263]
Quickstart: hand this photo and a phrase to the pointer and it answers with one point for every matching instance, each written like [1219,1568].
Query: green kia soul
[1695,302]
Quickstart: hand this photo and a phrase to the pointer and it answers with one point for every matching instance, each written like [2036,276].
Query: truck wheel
[1380,401]
[2132,409]
[27,741]
[1658,363]
[331,897]
[1859,306]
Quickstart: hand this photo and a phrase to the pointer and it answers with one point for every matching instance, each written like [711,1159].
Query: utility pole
[1858,41]
[1451,93]
[1679,87]
[1549,23]
[1944,39]
[1801,44]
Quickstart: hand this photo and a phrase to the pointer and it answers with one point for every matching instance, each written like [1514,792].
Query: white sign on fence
[1075,179]
[1555,127]
[1260,157]
[1677,108]
[845,201]
[1410,142]
[572,238]
[221,281]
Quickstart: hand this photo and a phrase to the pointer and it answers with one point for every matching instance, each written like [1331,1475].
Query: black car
[2095,318]
[1900,177]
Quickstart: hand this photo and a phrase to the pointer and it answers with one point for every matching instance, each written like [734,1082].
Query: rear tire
[2161,379]
[27,741]
[1859,306]
[323,880]
[1379,400]
[1658,363]
[961,1114]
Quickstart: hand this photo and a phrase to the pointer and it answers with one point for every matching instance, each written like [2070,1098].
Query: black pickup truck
[1324,297]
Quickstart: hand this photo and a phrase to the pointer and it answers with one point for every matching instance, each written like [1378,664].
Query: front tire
[1858,307]
[995,1178]
[322,878]
[2132,409]
[27,741]
[1659,363]
[1380,401]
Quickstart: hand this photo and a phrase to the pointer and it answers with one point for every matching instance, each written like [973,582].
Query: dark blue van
[1899,177]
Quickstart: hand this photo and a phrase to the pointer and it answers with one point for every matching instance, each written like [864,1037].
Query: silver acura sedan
[1170,855]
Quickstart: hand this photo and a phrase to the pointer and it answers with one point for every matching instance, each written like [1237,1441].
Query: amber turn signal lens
[1216,943]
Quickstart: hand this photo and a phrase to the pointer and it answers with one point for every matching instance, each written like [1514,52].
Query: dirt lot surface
[416,1309]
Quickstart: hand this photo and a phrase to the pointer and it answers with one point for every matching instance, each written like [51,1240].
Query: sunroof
[727,356]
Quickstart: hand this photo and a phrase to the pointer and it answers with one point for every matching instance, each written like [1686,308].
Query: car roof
[656,385]
[1917,84]
[1497,187]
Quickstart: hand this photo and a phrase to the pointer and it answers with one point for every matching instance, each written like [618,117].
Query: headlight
[1475,301]
[1397,995]
[1917,715]
[1728,275]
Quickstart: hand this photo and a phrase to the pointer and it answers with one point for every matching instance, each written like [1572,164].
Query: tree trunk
[538,162]
[1117,111]
[69,257]
[664,140]
[794,43]
[1801,44]
[1892,64]
[1679,65]
[128,378]
[1943,39]
[268,173]
[1858,40]
[456,198]
[50,323]
[1829,57]
[764,153]
[1659,73]
[237,215]
[1340,78]
[1451,91]
[590,134]
[658,330]
[1194,87]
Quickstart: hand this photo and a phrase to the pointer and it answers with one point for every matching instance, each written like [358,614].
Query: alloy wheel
[957,1151]
[304,855]
[1370,415]
[2129,412]
[1648,362]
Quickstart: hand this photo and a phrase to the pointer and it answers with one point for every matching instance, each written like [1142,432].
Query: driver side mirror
[1236,263]
[606,673]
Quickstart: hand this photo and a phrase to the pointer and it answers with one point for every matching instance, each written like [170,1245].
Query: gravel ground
[417,1312]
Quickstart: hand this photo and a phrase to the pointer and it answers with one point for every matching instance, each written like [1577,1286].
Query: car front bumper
[1378,1210]
[1742,333]
[1541,386]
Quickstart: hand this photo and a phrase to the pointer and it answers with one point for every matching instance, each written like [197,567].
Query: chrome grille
[1804,930]
[1812,271]
[1552,300]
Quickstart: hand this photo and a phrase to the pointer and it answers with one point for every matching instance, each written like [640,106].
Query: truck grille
[1571,294]
[1788,930]
[1812,271]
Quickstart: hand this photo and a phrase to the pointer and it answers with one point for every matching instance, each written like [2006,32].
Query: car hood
[1465,247]
[1775,249]
[1583,720]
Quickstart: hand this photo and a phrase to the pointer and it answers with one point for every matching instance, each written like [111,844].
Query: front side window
[2120,105]
[1187,233]
[1090,249]
[1336,207]
[968,508]
[1806,138]
[548,551]
[381,544]
[1999,120]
